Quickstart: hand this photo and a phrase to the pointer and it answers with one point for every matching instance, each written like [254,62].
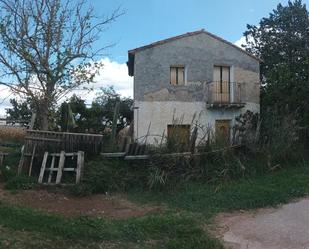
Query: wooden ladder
[61,166]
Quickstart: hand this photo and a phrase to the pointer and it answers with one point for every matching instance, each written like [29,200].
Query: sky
[147,21]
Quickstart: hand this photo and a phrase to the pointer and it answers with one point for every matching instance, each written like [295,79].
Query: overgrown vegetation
[102,175]
[209,199]
[262,146]
[12,134]
[182,226]
[165,172]
[20,183]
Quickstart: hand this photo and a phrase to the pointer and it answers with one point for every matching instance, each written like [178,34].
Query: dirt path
[286,227]
[60,203]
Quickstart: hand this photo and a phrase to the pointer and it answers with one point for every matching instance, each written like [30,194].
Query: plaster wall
[152,117]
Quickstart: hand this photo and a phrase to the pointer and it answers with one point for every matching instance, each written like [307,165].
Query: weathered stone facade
[198,53]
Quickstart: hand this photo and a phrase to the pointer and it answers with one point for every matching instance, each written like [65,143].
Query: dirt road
[285,227]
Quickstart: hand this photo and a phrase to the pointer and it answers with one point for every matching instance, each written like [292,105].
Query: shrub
[103,175]
[9,169]
[279,135]
[246,130]
[6,173]
[162,171]
[21,182]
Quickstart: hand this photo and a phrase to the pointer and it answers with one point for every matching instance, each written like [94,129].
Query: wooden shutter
[217,74]
[221,78]
[225,84]
[216,94]
[173,76]
[181,75]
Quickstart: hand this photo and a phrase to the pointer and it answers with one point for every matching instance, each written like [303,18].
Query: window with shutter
[177,75]
[221,77]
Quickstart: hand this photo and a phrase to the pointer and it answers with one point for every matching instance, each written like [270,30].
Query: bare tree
[47,48]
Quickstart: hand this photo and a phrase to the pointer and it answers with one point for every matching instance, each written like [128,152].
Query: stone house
[194,78]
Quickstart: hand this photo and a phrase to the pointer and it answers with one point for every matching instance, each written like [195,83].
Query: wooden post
[43,167]
[60,167]
[51,169]
[147,134]
[193,140]
[21,161]
[114,124]
[32,158]
[1,159]
[80,166]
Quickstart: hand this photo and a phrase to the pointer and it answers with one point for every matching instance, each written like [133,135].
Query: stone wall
[199,54]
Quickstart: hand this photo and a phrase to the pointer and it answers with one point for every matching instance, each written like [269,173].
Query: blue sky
[147,21]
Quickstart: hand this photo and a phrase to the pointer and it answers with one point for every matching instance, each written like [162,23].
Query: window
[177,75]
[221,73]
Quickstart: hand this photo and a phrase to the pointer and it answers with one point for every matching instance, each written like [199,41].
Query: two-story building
[192,78]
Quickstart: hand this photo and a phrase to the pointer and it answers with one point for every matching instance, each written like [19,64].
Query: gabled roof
[132,52]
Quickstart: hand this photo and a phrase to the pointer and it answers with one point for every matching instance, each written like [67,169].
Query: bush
[162,172]
[20,183]
[6,173]
[11,163]
[104,175]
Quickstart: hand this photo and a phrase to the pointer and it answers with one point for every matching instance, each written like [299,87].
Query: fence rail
[38,142]
[224,92]
[57,141]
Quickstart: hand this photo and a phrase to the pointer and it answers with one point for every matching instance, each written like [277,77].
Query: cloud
[241,41]
[112,74]
[115,74]
[5,96]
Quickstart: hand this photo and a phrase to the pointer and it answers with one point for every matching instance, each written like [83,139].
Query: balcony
[224,95]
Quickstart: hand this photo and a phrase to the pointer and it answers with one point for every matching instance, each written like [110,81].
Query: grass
[208,200]
[163,231]
[21,239]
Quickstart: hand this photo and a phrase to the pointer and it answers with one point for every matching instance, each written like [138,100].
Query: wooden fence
[37,142]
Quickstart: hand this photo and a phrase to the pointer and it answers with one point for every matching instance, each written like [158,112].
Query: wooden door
[223,130]
[178,134]
[225,84]
[221,78]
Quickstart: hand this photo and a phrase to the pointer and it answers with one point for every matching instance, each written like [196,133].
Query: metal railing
[223,93]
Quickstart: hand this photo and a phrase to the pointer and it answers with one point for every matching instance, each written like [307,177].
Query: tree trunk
[42,115]
[44,122]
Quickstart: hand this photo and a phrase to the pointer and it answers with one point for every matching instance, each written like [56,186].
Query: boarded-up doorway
[178,135]
[223,130]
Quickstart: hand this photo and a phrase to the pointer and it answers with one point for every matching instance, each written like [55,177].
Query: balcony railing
[225,94]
